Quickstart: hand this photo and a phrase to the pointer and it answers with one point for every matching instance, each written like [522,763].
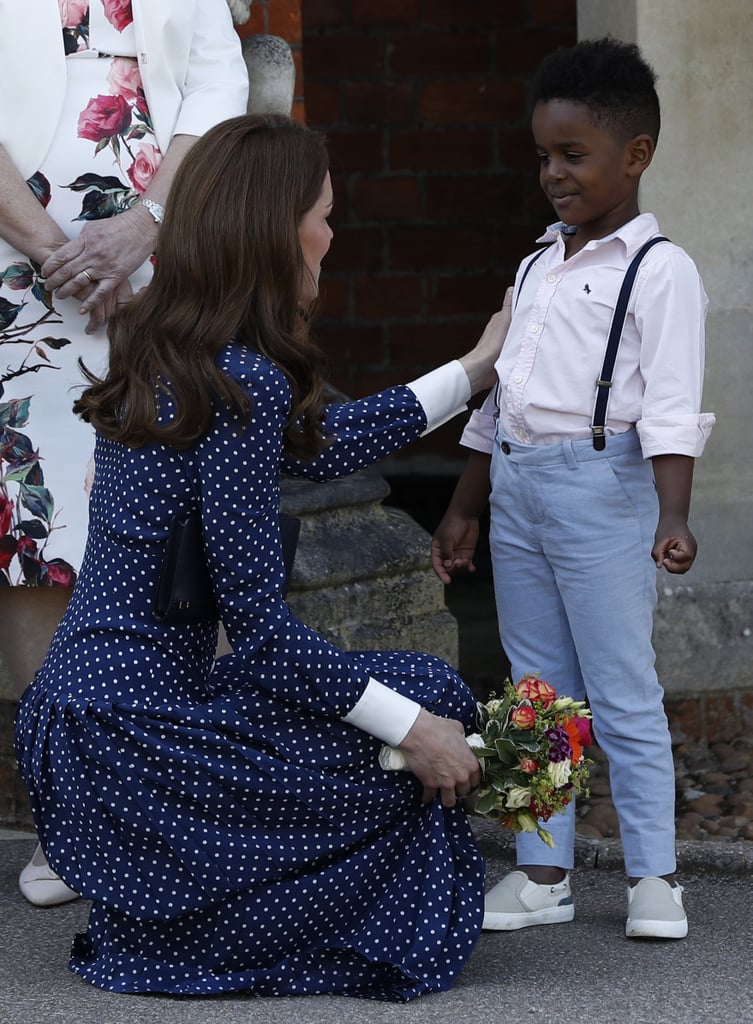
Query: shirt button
[517,380]
[534,328]
[505,447]
[551,278]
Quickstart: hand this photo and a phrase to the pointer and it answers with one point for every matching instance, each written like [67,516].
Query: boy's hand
[675,547]
[453,545]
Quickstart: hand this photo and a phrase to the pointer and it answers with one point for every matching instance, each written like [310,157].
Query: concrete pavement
[584,971]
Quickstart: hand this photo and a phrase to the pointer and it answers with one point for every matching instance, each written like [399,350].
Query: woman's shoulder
[249,367]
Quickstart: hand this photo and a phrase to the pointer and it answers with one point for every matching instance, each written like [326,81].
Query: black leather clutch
[184,592]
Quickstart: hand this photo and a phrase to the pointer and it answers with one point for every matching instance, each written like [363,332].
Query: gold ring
[88,276]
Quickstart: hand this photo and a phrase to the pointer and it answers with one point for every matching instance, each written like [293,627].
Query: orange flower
[573,734]
[532,688]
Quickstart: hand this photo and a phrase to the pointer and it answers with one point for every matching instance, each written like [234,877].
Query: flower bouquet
[530,747]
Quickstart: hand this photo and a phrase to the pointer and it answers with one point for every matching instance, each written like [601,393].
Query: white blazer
[189,55]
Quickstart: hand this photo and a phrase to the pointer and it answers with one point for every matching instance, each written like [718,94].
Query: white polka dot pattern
[232,832]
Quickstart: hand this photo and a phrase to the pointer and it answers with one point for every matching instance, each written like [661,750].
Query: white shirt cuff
[443,393]
[675,435]
[383,713]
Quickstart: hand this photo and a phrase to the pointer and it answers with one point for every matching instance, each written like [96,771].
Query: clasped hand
[95,266]
[436,751]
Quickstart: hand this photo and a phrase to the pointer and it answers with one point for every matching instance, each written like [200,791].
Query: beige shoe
[517,902]
[41,886]
[655,911]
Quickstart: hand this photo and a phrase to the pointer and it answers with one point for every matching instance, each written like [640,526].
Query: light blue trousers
[571,537]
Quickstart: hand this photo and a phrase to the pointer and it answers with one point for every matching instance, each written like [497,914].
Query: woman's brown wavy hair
[228,265]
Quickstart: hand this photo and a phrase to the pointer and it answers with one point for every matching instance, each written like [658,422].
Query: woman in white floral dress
[87,155]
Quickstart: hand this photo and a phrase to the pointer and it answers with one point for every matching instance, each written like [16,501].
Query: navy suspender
[528,267]
[604,383]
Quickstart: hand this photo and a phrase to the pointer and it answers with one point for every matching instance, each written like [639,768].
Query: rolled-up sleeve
[481,426]
[670,313]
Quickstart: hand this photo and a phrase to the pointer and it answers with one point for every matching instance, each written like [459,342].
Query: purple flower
[559,744]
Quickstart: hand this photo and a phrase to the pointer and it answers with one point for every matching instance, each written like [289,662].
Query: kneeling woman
[229,819]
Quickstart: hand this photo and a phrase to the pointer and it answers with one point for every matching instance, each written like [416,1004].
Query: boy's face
[589,174]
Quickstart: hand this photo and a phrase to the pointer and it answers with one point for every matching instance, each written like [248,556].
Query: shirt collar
[632,234]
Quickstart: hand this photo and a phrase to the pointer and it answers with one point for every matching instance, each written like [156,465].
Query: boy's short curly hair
[608,76]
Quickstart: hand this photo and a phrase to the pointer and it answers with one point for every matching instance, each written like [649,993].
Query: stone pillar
[699,188]
[271,74]
[362,575]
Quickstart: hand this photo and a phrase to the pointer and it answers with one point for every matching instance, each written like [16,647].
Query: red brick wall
[424,103]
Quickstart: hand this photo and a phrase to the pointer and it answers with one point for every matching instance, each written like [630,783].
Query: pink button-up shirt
[555,347]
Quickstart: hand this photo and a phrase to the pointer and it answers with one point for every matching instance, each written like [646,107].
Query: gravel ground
[714,793]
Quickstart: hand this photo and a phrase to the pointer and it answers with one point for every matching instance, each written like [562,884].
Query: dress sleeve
[238,476]
[363,432]
[216,81]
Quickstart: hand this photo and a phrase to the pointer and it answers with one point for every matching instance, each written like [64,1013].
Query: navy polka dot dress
[232,833]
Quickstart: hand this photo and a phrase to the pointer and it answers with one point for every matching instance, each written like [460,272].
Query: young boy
[582,518]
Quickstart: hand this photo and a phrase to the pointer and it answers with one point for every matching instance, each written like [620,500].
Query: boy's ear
[640,153]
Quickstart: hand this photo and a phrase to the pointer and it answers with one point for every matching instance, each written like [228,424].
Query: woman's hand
[94,266]
[436,752]
[479,362]
[101,314]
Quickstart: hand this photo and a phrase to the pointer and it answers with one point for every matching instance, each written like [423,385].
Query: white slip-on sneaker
[517,902]
[655,911]
[41,886]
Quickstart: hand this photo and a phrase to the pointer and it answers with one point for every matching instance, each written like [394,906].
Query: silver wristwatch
[157,211]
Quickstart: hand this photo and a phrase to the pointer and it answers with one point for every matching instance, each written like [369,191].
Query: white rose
[518,796]
[559,772]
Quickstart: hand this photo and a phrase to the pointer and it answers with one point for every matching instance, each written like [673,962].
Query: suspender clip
[599,437]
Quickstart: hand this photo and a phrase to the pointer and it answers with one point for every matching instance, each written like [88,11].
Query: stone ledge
[727,858]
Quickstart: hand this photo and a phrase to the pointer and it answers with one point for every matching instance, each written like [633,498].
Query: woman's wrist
[148,225]
[479,369]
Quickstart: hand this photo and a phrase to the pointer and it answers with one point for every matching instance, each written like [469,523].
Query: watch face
[157,211]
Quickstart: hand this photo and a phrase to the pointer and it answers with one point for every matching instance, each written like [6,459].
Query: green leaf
[18,276]
[486,803]
[55,343]
[38,500]
[506,752]
[15,413]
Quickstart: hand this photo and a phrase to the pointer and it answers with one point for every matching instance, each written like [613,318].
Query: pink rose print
[72,12]
[118,13]
[8,548]
[27,546]
[103,117]
[57,573]
[124,79]
[144,166]
[6,514]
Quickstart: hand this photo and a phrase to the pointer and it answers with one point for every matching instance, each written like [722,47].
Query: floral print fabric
[103,158]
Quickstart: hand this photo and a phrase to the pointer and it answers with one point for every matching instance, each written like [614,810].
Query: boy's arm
[455,539]
[675,546]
